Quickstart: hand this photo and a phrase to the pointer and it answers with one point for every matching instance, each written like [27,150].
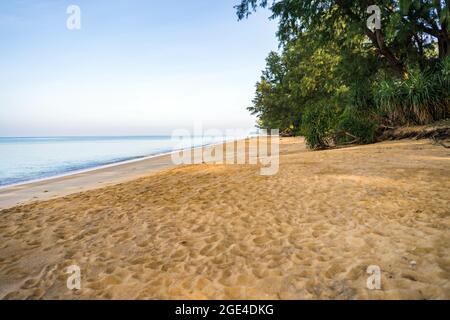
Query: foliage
[319,123]
[420,99]
[354,127]
[335,80]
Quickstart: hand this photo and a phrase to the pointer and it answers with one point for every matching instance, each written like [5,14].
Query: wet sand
[51,188]
[226,232]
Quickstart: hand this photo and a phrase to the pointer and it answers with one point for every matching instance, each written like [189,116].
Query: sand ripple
[225,232]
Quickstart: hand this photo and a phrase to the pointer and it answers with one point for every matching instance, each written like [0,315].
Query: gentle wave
[34,158]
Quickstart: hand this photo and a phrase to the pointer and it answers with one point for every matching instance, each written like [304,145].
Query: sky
[136,67]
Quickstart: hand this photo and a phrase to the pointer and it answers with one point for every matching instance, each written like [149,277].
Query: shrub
[355,128]
[420,99]
[318,125]
[442,78]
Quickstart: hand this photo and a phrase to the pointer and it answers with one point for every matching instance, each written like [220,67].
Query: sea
[35,158]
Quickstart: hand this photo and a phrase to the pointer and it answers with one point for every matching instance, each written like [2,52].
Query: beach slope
[226,232]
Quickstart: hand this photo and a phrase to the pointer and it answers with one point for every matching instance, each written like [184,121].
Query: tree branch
[377,39]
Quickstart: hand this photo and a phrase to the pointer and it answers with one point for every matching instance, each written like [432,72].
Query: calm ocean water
[25,159]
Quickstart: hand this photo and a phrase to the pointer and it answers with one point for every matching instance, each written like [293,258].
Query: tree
[335,80]
[410,26]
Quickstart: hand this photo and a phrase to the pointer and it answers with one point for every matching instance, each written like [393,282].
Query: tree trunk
[444,45]
[444,33]
[377,39]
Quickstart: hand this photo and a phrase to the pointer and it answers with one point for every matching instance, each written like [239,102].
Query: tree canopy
[336,80]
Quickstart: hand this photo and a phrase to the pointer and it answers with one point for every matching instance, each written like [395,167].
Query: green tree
[410,27]
[335,80]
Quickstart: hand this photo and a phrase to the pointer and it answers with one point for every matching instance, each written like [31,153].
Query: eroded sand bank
[225,232]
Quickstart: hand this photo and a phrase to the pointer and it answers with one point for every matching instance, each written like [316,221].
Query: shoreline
[79,171]
[104,166]
[62,185]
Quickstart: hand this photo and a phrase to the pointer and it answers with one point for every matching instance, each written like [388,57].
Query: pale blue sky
[136,67]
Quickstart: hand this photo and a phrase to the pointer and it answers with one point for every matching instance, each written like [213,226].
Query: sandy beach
[147,231]
[46,189]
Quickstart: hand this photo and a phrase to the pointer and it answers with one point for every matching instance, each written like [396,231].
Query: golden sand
[225,232]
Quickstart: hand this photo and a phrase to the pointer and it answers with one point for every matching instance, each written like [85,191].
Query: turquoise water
[26,159]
